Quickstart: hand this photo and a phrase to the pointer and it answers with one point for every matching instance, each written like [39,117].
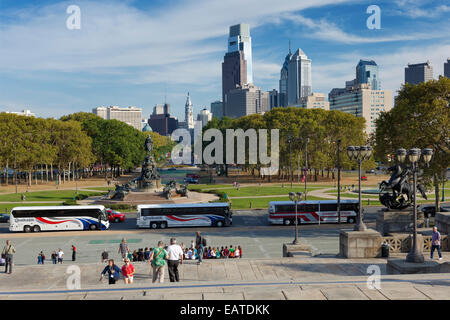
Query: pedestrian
[123,249]
[41,258]
[436,243]
[231,251]
[192,244]
[240,251]
[158,261]
[54,256]
[60,256]
[213,253]
[226,252]
[104,256]
[218,253]
[237,253]
[174,258]
[200,243]
[113,272]
[128,271]
[74,253]
[7,254]
[146,254]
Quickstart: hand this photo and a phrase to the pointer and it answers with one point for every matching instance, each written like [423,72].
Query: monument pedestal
[398,221]
[400,266]
[360,244]
[296,250]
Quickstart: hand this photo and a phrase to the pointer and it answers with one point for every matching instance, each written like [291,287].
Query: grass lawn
[259,203]
[261,191]
[6,207]
[99,188]
[57,195]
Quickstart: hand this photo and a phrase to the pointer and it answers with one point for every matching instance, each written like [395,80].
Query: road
[250,230]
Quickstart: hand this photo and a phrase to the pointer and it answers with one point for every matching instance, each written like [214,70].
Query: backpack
[204,242]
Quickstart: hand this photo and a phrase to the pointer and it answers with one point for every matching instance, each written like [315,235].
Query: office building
[367,72]
[274,99]
[130,115]
[361,101]
[419,72]
[204,116]
[245,100]
[299,77]
[161,121]
[217,109]
[283,84]
[447,68]
[237,66]
[314,101]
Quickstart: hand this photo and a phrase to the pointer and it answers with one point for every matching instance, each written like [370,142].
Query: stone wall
[442,221]
[397,221]
[360,244]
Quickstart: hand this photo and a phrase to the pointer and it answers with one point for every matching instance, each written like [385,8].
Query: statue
[120,192]
[149,171]
[397,193]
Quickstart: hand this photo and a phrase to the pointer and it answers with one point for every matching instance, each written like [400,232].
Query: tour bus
[54,218]
[312,211]
[154,216]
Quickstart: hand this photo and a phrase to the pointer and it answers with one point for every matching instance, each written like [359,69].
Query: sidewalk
[316,278]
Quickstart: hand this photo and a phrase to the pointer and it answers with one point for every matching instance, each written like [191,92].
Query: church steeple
[189,113]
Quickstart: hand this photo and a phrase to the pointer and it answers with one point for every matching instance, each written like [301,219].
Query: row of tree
[75,144]
[296,125]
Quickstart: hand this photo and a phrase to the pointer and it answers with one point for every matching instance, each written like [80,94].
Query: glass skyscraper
[240,40]
[299,77]
[367,72]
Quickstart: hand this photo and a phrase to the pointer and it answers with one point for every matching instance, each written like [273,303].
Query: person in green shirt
[231,252]
[158,261]
[217,253]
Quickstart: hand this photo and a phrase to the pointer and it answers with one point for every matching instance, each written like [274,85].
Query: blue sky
[137,52]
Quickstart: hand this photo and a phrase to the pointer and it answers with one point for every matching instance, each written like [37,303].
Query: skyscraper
[204,116]
[217,109]
[131,115]
[246,100]
[237,64]
[283,90]
[299,77]
[188,113]
[447,68]
[367,72]
[419,72]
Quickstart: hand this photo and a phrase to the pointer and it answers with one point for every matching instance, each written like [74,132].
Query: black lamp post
[360,154]
[306,165]
[296,197]
[414,156]
[339,180]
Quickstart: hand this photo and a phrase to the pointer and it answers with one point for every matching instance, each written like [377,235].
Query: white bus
[54,218]
[312,211]
[156,216]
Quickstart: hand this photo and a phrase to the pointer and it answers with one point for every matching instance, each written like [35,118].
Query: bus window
[328,207]
[309,207]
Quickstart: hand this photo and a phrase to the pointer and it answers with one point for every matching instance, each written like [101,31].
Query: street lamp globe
[350,150]
[401,155]
[413,155]
[427,154]
[292,196]
[299,195]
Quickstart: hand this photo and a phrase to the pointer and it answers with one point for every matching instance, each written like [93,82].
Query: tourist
[104,256]
[205,253]
[226,252]
[192,244]
[113,272]
[140,254]
[237,253]
[54,256]
[231,252]
[213,253]
[146,254]
[200,243]
[129,256]
[158,261]
[60,254]
[123,248]
[188,254]
[221,252]
[240,251]
[7,253]
[436,243]
[41,258]
[134,256]
[128,271]
[174,258]
[218,254]
[74,253]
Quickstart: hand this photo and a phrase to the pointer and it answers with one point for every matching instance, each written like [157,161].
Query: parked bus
[162,216]
[312,211]
[56,218]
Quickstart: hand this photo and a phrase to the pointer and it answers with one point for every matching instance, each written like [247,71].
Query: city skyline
[148,63]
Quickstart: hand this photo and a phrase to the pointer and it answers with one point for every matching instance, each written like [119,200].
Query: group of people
[191,253]
[56,256]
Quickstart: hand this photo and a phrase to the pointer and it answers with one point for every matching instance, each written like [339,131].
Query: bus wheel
[27,229]
[163,225]
[154,225]
[219,224]
[36,229]
[350,220]
[287,222]
[93,227]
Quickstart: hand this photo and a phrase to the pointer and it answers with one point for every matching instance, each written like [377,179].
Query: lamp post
[339,180]
[290,140]
[414,156]
[360,154]
[295,196]
[306,165]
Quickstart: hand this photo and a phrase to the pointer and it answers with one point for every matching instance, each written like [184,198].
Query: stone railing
[402,242]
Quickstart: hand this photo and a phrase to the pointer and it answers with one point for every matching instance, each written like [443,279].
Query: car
[363,178]
[190,180]
[430,211]
[115,216]
[4,217]
[370,171]
[193,176]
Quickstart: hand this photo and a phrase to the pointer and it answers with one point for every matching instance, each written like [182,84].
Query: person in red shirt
[74,253]
[128,271]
